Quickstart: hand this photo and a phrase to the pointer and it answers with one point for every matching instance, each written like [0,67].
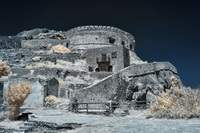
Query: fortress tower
[108,48]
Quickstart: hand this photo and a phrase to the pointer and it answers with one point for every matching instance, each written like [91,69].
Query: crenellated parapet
[98,27]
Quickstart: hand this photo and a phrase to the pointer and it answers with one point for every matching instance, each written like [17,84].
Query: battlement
[82,36]
[98,27]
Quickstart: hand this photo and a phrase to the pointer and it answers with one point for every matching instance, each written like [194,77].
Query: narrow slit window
[123,42]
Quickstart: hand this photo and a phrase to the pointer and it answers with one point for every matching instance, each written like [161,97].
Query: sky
[165,30]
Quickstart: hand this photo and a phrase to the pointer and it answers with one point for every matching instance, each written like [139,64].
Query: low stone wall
[116,84]
[40,89]
[44,72]
[36,98]
[24,57]
[42,44]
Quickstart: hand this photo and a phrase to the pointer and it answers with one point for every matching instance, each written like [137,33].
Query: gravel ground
[133,123]
[11,124]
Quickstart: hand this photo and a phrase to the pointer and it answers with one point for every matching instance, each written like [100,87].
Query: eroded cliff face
[161,81]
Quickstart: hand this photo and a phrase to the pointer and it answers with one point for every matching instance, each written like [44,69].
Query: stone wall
[118,63]
[116,84]
[99,35]
[42,44]
[24,57]
[36,98]
[40,89]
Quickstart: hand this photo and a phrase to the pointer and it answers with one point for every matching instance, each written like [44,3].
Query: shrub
[60,48]
[4,69]
[15,96]
[180,103]
[38,65]
[51,99]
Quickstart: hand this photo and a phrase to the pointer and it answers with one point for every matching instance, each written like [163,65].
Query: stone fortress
[100,65]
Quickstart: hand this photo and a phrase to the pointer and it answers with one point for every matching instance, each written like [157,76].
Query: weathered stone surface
[139,86]
[40,89]
[31,33]
[99,35]
[44,44]
[36,97]
[53,86]
[120,112]
[10,42]
[139,78]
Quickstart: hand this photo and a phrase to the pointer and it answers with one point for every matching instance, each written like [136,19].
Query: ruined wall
[112,84]
[42,44]
[36,98]
[40,89]
[24,57]
[84,36]
[10,42]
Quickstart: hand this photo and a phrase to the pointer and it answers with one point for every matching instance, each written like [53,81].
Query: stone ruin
[100,65]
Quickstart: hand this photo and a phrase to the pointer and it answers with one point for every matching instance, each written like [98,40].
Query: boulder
[121,112]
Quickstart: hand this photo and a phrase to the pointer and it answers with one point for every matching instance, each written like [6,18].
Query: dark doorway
[110,68]
[97,70]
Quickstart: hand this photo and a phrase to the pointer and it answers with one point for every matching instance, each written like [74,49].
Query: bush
[15,96]
[60,48]
[51,99]
[180,103]
[4,69]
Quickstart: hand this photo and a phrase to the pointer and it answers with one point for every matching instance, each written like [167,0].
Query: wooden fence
[106,108]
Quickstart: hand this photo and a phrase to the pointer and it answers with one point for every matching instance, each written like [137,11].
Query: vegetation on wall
[4,69]
[180,103]
[15,97]
[60,48]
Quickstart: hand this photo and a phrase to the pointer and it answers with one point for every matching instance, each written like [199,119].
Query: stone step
[29,123]
[22,131]
[26,127]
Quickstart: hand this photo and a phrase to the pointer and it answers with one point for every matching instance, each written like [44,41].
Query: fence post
[87,107]
[110,106]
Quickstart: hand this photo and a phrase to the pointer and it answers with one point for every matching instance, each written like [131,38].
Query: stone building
[107,47]
[101,65]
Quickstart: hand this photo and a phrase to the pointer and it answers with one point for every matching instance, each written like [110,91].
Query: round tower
[87,37]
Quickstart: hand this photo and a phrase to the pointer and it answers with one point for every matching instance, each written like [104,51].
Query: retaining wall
[116,84]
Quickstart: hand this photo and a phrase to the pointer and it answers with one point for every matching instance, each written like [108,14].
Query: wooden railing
[100,107]
[106,108]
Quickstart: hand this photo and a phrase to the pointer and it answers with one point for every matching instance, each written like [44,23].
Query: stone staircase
[28,126]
